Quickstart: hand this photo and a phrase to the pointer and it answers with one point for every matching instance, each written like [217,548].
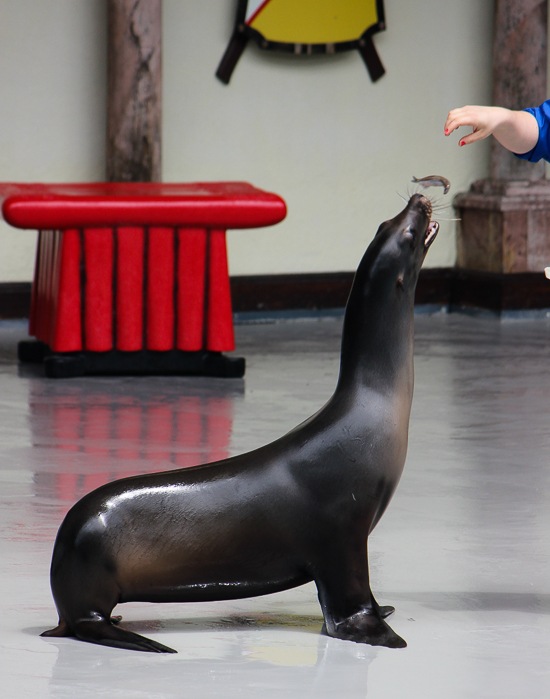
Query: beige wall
[313,129]
[52,104]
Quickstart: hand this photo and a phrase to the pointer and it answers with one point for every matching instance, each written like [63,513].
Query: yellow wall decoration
[307,27]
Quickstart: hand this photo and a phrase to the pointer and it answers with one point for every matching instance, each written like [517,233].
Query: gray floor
[463,550]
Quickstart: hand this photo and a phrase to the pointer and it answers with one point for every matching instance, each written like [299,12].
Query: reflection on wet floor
[123,434]
[463,551]
[296,664]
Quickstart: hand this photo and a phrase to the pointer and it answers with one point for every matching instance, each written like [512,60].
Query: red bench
[132,278]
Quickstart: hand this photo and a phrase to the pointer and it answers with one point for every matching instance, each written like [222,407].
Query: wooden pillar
[505,220]
[519,75]
[134,91]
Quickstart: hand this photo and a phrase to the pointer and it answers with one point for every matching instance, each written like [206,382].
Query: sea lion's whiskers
[434,202]
[438,205]
[400,195]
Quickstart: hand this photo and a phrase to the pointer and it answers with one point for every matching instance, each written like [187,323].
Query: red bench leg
[219,334]
[129,288]
[67,326]
[160,289]
[98,289]
[191,271]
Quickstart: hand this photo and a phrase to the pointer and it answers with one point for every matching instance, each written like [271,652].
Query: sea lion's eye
[410,232]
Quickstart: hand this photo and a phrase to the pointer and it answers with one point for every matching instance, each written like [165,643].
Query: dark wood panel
[291,291]
[435,287]
[451,287]
[15,300]
[448,286]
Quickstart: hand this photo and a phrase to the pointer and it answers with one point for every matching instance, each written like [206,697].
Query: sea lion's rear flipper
[106,634]
[62,630]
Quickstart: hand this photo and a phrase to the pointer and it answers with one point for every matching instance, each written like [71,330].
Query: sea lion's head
[395,256]
[379,321]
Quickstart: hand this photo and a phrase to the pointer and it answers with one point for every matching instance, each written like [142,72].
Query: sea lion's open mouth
[431,233]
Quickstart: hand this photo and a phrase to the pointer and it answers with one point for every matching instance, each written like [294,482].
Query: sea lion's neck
[377,341]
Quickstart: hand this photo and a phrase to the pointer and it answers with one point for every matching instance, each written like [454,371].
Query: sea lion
[296,510]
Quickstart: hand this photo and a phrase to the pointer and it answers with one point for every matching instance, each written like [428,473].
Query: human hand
[518,131]
[483,120]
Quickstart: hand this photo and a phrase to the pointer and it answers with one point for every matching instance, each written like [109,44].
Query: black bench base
[64,365]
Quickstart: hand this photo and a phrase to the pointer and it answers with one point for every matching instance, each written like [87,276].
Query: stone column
[505,220]
[134,91]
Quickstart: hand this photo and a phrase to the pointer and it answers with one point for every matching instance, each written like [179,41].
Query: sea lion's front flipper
[364,627]
[103,632]
[350,610]
[367,627]
[384,611]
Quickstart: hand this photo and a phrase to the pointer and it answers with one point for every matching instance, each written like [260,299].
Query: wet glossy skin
[298,509]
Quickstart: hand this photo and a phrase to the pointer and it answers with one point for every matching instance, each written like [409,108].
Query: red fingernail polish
[446,131]
[461,143]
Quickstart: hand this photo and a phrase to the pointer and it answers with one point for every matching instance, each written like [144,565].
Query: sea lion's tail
[105,633]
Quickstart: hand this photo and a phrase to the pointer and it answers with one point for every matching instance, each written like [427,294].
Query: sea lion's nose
[419,201]
[426,205]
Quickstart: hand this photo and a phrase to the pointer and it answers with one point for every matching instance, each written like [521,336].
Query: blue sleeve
[542,149]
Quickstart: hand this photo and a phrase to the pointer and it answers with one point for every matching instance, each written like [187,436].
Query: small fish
[434,181]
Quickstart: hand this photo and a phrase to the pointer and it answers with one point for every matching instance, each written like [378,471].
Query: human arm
[518,131]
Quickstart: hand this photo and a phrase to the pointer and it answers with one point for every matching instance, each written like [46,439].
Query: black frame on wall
[242,33]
